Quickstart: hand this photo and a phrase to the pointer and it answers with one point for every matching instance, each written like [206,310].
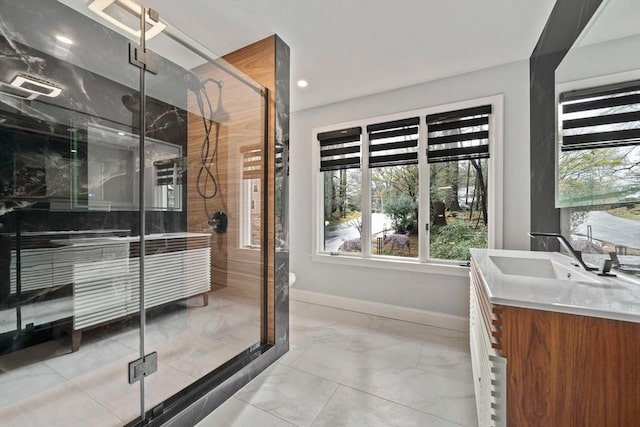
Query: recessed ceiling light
[302,83]
[63,39]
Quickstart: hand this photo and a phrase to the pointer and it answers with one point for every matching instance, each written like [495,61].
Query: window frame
[422,262]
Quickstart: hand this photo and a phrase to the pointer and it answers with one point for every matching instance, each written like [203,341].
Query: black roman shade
[458,135]
[393,143]
[600,117]
[340,149]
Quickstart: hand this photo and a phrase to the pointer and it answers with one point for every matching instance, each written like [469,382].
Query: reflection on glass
[598,151]
[598,231]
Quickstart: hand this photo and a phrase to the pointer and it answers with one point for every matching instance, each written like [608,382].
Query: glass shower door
[132,213]
[69,220]
[204,258]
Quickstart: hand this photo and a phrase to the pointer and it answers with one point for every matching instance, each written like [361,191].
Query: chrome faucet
[565,243]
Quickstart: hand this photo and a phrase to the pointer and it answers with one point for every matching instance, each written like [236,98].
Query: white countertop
[610,298]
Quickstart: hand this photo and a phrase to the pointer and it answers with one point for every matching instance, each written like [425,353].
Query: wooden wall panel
[232,265]
[258,61]
[569,370]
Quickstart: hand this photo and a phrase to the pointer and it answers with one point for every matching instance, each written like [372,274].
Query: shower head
[193,82]
[220,115]
[198,87]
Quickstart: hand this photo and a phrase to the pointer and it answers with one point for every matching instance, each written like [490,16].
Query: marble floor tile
[397,350]
[289,357]
[353,408]
[12,417]
[20,383]
[330,315]
[419,332]
[156,332]
[62,406]
[390,347]
[91,355]
[109,386]
[194,355]
[435,394]
[445,361]
[288,393]
[232,330]
[235,413]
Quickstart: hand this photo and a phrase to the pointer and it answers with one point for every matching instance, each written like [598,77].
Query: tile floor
[351,369]
[48,386]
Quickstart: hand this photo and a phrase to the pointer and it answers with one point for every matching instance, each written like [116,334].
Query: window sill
[394,264]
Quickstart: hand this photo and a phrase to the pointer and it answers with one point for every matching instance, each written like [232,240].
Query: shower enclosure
[134,187]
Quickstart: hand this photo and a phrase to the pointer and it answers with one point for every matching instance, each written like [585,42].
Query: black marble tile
[567,20]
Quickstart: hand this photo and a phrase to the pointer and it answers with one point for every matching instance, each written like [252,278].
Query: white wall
[437,293]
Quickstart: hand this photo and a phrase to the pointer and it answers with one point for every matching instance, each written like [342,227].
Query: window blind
[281,153]
[252,162]
[600,117]
[458,135]
[340,149]
[169,171]
[393,143]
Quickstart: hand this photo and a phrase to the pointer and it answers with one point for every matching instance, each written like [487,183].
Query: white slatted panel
[106,280]
[171,276]
[489,370]
[49,267]
[36,271]
[101,292]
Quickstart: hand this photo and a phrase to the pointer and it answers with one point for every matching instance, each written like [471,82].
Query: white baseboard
[408,314]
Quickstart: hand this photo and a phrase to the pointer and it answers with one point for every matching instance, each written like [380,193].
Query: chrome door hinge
[143,367]
[145,59]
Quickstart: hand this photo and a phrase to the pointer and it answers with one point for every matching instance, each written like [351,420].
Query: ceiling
[351,48]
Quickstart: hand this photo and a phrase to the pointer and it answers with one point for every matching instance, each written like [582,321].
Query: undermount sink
[541,268]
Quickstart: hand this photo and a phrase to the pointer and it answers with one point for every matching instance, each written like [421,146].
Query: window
[251,196]
[458,156]
[430,170]
[393,164]
[340,168]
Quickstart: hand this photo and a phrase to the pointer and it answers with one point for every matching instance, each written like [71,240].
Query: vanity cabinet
[105,273]
[536,367]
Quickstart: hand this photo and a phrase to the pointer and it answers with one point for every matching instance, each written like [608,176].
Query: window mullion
[423,192]
[365,200]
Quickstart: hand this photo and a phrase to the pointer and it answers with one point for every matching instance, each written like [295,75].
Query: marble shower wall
[99,88]
[567,20]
